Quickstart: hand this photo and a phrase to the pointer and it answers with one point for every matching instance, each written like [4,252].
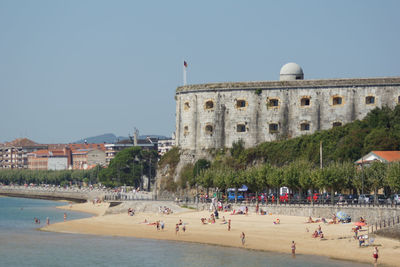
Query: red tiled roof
[21,142]
[388,155]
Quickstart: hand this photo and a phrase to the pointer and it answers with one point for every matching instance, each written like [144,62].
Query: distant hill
[112,138]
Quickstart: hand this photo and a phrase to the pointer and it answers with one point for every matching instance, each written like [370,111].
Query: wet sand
[261,232]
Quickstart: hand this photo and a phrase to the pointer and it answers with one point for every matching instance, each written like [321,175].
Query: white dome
[291,71]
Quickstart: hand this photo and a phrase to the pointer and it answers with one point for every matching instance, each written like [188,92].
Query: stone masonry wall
[209,116]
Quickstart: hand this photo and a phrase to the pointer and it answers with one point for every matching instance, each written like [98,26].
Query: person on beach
[293,246]
[257,208]
[47,221]
[65,217]
[158,225]
[243,238]
[162,225]
[184,228]
[176,229]
[375,254]
[229,224]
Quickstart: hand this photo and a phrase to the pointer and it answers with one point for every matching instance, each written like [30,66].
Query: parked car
[395,199]
[315,197]
[353,199]
[364,199]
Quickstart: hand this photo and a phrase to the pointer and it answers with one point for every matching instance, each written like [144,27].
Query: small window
[305,126]
[240,128]
[305,101]
[240,103]
[336,124]
[209,104]
[273,127]
[337,100]
[370,100]
[273,102]
[185,130]
[209,129]
[186,106]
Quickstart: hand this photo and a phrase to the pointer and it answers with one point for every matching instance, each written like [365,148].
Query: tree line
[301,176]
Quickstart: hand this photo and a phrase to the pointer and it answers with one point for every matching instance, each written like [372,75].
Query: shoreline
[261,233]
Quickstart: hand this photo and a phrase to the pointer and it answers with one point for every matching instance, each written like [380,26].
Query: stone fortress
[214,115]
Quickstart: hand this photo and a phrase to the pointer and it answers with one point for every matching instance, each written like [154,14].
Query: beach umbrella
[341,215]
[360,224]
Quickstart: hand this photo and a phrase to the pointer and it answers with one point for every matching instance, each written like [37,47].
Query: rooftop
[289,84]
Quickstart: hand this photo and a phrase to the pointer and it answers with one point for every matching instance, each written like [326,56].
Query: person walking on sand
[176,229]
[243,237]
[375,255]
[47,221]
[229,224]
[293,246]
[65,217]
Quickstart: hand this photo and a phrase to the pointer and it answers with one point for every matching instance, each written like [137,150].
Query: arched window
[369,100]
[305,126]
[186,106]
[209,129]
[209,104]
[337,100]
[273,128]
[240,103]
[336,124]
[305,101]
[240,128]
[186,130]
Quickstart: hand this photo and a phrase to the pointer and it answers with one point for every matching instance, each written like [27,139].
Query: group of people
[164,210]
[180,223]
[318,233]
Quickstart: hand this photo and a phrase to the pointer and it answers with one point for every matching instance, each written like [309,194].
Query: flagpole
[184,73]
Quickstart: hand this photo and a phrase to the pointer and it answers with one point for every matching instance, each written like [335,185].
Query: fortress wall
[254,113]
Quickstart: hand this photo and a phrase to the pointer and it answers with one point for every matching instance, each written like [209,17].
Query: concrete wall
[193,116]
[57,163]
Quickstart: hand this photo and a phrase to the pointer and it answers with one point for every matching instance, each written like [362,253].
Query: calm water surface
[22,245]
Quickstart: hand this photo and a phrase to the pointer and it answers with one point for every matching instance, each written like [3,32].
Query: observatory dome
[291,71]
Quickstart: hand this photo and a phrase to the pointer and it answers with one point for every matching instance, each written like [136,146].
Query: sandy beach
[261,233]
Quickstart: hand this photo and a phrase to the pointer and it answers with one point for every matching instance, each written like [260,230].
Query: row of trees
[300,176]
[64,177]
[127,168]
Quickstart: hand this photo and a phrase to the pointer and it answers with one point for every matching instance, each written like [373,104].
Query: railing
[385,223]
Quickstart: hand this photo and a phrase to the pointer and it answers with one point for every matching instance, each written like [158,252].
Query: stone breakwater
[52,193]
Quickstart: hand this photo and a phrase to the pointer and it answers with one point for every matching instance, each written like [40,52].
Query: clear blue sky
[73,69]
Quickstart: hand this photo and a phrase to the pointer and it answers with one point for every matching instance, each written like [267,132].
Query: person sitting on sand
[361,241]
[334,219]
[323,220]
[362,220]
[180,222]
[315,234]
[223,218]
[310,220]
[277,221]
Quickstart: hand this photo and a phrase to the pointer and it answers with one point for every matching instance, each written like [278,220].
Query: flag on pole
[185,64]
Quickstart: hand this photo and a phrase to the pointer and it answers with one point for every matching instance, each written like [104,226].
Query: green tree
[393,177]
[375,175]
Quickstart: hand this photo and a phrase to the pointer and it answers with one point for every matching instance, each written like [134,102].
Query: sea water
[21,244]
